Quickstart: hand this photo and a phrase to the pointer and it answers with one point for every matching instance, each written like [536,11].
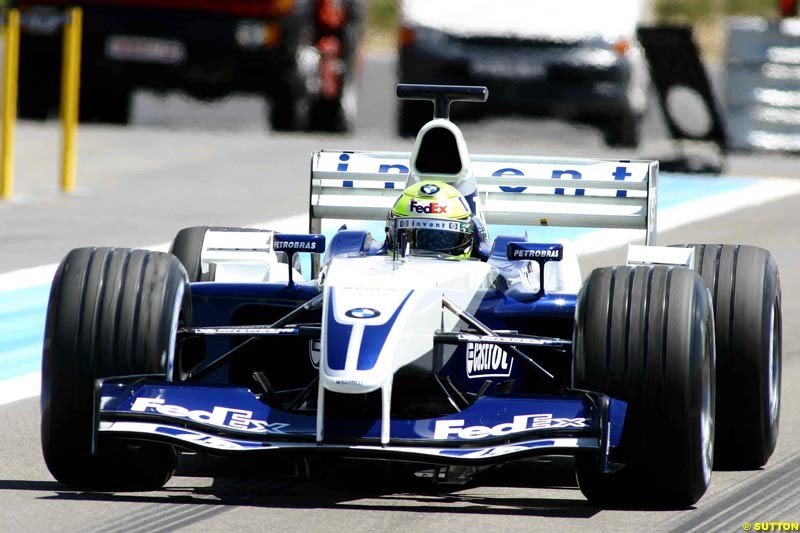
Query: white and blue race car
[648,373]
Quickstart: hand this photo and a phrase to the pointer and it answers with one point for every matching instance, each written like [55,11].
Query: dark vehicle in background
[575,59]
[300,54]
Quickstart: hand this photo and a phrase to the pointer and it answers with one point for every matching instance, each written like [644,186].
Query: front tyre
[645,335]
[112,312]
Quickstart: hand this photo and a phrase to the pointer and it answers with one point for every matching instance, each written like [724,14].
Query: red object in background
[241,8]
[331,66]
[788,8]
[331,14]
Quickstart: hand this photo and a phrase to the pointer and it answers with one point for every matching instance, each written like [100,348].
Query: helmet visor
[436,236]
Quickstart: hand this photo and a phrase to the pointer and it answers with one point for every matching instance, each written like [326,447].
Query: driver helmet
[431,218]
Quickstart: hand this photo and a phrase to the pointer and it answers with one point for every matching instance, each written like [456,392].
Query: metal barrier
[70,89]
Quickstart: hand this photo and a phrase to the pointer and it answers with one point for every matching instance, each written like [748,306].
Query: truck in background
[300,54]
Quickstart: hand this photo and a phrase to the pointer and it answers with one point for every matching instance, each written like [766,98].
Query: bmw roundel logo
[429,189]
[363,312]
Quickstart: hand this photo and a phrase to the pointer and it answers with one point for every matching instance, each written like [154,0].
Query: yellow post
[70,88]
[9,112]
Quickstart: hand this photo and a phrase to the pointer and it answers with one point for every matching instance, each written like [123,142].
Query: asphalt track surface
[181,164]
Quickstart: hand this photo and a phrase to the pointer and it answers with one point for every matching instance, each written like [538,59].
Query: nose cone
[380,315]
[367,337]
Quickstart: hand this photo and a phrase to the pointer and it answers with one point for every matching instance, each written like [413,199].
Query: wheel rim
[168,356]
[773,376]
[707,408]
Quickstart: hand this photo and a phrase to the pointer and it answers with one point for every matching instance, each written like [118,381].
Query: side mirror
[534,251]
[531,251]
[292,243]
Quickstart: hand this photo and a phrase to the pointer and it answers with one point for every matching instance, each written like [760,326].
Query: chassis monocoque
[648,373]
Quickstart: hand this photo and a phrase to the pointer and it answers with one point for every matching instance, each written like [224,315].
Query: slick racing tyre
[335,115]
[623,131]
[289,110]
[746,290]
[645,335]
[187,246]
[290,100]
[411,116]
[107,104]
[112,312]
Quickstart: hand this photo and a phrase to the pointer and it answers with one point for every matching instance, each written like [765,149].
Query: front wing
[224,419]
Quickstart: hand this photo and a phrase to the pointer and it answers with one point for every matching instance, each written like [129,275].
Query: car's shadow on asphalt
[354,486]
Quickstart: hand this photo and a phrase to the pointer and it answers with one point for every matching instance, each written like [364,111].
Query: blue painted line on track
[22,311]
[22,317]
[22,361]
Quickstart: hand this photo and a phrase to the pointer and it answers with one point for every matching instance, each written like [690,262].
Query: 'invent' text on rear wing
[514,190]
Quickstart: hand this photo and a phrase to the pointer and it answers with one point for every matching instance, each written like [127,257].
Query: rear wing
[514,190]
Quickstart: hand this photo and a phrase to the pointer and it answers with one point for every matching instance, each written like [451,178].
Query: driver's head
[431,217]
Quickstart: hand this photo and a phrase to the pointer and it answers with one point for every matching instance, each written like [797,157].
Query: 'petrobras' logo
[429,189]
[288,242]
[444,429]
[432,208]
[538,254]
[363,312]
[280,246]
[535,251]
[487,360]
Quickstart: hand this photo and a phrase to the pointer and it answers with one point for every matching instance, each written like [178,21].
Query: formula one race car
[433,347]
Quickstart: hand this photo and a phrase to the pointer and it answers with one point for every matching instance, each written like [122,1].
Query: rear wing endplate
[513,190]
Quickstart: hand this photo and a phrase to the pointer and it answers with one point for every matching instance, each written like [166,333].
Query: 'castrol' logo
[487,360]
[432,208]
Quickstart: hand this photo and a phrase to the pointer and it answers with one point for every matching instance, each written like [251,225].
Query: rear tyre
[411,116]
[623,131]
[188,247]
[105,104]
[34,97]
[645,335]
[335,115]
[112,312]
[289,110]
[746,290]
[290,100]
[37,95]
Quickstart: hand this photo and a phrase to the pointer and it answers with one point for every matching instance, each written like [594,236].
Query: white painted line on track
[766,190]
[42,275]
[28,277]
[20,388]
[29,385]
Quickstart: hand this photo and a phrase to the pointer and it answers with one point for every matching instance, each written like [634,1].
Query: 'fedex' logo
[219,416]
[433,208]
[444,429]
